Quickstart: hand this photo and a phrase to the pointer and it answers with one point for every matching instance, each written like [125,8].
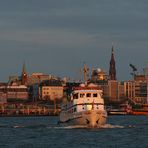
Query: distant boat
[139,112]
[85,107]
[117,112]
[123,109]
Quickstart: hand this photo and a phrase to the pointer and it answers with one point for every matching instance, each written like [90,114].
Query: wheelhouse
[86,94]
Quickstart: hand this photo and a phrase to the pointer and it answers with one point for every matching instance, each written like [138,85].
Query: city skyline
[57,37]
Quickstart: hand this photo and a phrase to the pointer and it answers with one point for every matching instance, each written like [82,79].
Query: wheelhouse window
[75,96]
[88,95]
[74,110]
[95,95]
[82,95]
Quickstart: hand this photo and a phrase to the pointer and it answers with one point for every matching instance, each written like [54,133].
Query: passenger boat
[117,112]
[123,109]
[143,110]
[139,112]
[85,107]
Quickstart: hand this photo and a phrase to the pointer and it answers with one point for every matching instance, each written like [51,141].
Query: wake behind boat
[85,107]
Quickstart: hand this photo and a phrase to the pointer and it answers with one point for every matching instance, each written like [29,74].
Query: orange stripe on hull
[139,112]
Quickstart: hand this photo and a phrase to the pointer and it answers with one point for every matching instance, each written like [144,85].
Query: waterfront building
[139,77]
[13,92]
[29,80]
[3,94]
[37,78]
[34,92]
[137,90]
[113,91]
[98,75]
[30,83]
[17,92]
[51,90]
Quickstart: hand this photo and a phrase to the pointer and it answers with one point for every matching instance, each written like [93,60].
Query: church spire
[24,75]
[112,69]
[24,69]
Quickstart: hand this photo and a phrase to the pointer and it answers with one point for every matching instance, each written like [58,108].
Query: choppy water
[36,132]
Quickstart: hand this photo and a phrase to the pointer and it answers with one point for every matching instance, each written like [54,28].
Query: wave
[18,126]
[112,126]
[54,126]
[69,127]
[106,126]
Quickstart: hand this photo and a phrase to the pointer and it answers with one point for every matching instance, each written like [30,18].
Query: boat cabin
[86,94]
[82,100]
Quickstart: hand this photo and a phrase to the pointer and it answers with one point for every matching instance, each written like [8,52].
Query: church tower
[24,75]
[112,69]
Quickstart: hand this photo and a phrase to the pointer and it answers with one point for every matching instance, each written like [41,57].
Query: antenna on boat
[93,105]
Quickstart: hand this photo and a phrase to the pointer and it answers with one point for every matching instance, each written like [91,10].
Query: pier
[27,110]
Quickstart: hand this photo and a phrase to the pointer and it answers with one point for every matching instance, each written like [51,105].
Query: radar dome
[92,85]
[99,69]
[82,85]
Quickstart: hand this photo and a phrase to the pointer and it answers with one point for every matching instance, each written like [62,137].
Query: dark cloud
[55,36]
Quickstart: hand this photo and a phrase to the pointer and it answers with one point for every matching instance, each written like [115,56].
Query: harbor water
[44,132]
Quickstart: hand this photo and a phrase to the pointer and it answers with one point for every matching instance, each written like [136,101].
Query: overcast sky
[58,36]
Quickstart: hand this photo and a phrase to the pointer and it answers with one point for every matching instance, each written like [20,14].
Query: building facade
[137,89]
[98,75]
[50,90]
[15,92]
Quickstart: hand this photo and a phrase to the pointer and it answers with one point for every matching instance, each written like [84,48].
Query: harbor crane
[85,72]
[134,69]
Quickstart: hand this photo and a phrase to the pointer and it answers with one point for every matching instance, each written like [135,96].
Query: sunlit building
[17,92]
[137,89]
[98,75]
[50,90]
[3,93]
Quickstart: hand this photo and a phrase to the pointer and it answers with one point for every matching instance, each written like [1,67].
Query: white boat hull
[90,118]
